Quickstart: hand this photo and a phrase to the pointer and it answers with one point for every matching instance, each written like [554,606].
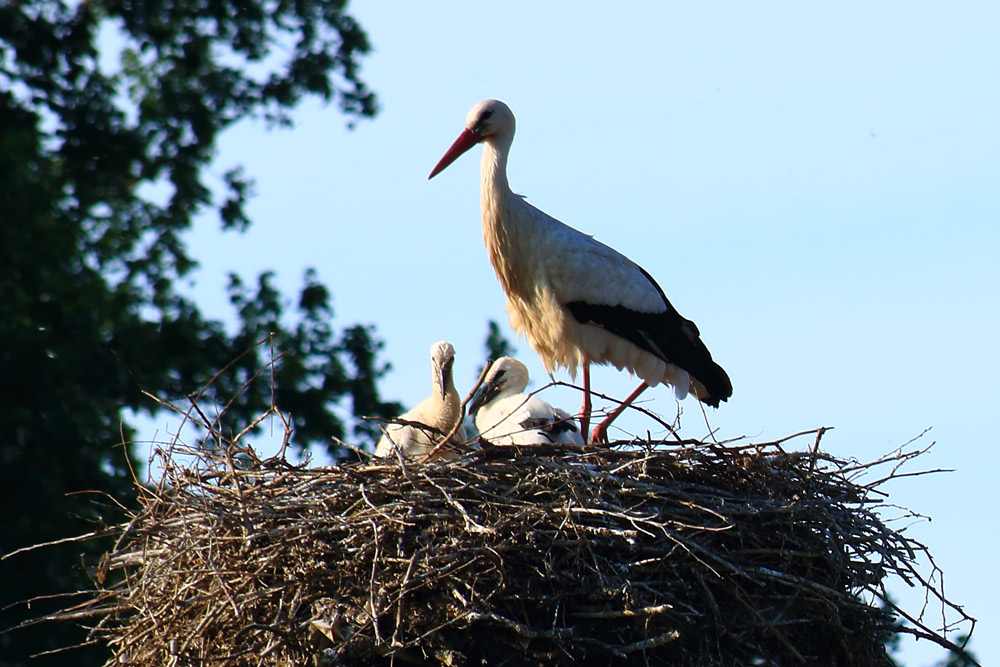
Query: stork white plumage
[576,300]
[505,415]
[440,411]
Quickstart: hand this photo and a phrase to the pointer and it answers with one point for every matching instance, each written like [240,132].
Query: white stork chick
[440,411]
[576,300]
[505,415]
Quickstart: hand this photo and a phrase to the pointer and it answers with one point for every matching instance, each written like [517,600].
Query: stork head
[506,376]
[490,119]
[442,361]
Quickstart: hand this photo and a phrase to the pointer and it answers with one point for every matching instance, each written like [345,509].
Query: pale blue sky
[816,185]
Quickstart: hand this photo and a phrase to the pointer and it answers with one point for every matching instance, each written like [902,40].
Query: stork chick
[440,411]
[576,300]
[505,415]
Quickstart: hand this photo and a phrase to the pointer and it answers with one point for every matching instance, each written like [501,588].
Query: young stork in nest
[576,300]
[440,411]
[505,415]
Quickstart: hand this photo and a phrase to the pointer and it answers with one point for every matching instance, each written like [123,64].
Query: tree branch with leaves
[110,113]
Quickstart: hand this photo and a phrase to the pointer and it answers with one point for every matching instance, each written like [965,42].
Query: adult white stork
[505,415]
[440,411]
[576,300]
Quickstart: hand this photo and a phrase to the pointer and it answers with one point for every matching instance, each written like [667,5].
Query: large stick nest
[697,554]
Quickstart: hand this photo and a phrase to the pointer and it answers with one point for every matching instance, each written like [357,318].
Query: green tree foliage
[497,345]
[955,659]
[104,149]
[893,637]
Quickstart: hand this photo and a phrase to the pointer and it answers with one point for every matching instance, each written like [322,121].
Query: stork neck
[502,217]
[450,404]
[493,172]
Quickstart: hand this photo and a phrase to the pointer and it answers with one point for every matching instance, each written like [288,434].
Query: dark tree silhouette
[104,153]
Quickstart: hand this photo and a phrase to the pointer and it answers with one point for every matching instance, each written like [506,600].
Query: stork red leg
[600,433]
[587,406]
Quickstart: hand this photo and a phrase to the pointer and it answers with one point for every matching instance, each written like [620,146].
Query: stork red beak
[465,141]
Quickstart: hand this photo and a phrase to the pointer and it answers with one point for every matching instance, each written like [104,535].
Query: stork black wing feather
[550,428]
[666,335]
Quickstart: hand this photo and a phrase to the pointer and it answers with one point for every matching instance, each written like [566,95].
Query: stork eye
[478,128]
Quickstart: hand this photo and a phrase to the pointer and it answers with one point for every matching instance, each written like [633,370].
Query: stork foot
[600,434]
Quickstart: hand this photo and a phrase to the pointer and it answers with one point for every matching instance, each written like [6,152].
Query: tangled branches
[699,554]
